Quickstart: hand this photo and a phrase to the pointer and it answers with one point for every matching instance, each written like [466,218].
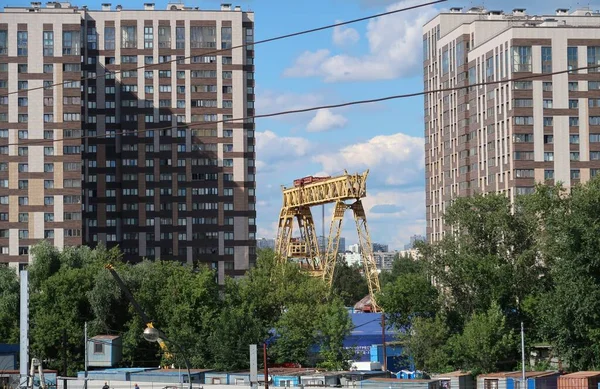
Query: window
[547,103]
[48,37]
[573,121]
[109,38]
[548,156]
[548,139]
[594,155]
[180,37]
[526,85]
[128,37]
[573,104]
[225,37]
[575,174]
[547,86]
[573,86]
[546,59]
[148,37]
[521,58]
[526,120]
[574,156]
[574,138]
[572,59]
[22,39]
[524,173]
[517,138]
[71,42]
[3,42]
[164,37]
[548,121]
[204,37]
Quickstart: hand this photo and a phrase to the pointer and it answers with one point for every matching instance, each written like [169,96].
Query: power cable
[309,109]
[291,35]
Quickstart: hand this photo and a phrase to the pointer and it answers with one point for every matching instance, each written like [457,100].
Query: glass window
[546,59]
[3,42]
[203,37]
[109,38]
[71,42]
[148,37]
[180,37]
[521,58]
[164,37]
[22,39]
[128,37]
[225,37]
[48,43]
[593,59]
[572,59]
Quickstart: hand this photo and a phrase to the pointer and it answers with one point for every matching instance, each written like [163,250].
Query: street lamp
[153,334]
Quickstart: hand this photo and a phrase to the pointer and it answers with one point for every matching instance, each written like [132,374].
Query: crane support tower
[346,192]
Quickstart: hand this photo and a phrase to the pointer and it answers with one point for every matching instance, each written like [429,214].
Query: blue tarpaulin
[367,332]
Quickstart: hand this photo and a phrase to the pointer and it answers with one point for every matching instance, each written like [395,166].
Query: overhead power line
[294,34]
[309,109]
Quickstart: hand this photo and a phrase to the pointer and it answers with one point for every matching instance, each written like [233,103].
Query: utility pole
[384,353]
[266,366]
[85,359]
[523,356]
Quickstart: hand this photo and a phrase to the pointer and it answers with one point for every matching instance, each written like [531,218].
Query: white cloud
[271,148]
[344,35]
[270,101]
[325,120]
[396,159]
[395,43]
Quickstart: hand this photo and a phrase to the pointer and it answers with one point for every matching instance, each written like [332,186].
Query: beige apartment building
[163,170]
[507,136]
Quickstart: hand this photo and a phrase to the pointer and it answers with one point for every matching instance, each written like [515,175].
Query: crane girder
[342,188]
[305,251]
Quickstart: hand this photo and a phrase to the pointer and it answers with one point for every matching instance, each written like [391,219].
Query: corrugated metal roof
[518,374]
[398,380]
[457,373]
[582,374]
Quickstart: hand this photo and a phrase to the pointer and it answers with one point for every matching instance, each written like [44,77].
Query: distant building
[354,248]
[413,240]
[352,258]
[380,247]
[413,253]
[384,260]
[265,243]
[323,242]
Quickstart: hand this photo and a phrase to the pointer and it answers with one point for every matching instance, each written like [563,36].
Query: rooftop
[582,374]
[518,374]
[54,6]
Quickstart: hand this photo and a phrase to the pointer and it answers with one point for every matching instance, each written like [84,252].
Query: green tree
[486,344]
[348,283]
[409,296]
[334,326]
[9,305]
[427,344]
[570,236]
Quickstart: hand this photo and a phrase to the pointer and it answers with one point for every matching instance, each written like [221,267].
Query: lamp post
[153,334]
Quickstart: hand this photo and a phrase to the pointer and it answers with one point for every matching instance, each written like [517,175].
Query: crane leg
[284,233]
[333,242]
[309,237]
[364,241]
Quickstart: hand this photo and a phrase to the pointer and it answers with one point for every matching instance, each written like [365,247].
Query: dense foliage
[214,324]
[536,261]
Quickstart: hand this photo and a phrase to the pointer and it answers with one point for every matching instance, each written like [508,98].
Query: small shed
[216,378]
[395,360]
[325,378]
[117,374]
[456,380]
[8,356]
[287,376]
[171,376]
[240,378]
[349,377]
[580,380]
[395,383]
[512,380]
[104,350]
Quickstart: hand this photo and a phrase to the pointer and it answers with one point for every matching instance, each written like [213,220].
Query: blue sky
[365,60]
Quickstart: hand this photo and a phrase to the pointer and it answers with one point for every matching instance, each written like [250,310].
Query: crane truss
[346,192]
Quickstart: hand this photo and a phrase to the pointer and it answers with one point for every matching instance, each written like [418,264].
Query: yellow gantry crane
[346,192]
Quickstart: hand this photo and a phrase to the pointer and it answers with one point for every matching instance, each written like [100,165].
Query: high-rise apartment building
[163,170]
[507,136]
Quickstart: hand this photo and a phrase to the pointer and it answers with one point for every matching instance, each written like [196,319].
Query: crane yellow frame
[346,192]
